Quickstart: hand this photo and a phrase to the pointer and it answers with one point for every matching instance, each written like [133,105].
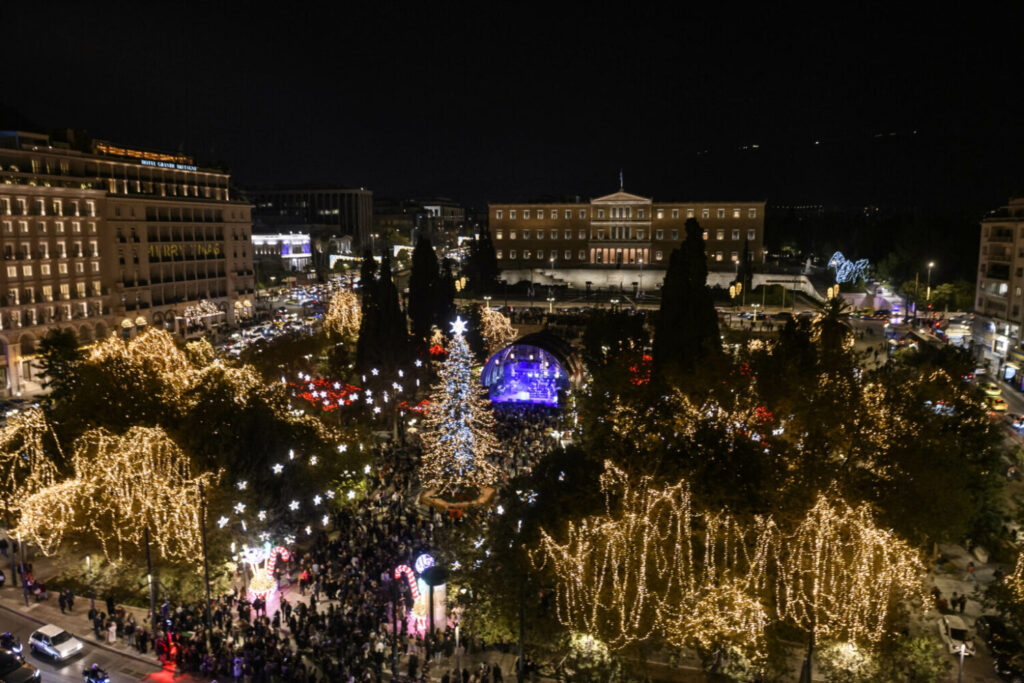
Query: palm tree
[832,326]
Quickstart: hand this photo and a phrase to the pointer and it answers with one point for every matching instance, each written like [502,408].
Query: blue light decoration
[847,270]
[524,374]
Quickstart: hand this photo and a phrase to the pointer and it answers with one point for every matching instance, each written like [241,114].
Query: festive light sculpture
[458,426]
[263,561]
[847,270]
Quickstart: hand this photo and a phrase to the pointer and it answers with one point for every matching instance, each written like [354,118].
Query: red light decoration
[640,372]
[328,395]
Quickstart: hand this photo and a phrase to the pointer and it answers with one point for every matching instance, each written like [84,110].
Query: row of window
[61,250]
[40,207]
[29,295]
[618,233]
[625,212]
[31,317]
[582,255]
[46,270]
[42,228]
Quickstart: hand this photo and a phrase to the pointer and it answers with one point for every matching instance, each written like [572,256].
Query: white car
[953,632]
[55,642]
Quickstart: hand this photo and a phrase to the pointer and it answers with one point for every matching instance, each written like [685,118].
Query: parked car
[55,642]
[954,634]
[14,670]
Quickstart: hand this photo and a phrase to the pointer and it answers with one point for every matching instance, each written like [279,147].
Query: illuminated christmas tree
[458,426]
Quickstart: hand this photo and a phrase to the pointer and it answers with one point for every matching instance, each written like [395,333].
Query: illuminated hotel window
[661,213]
[720,234]
[718,256]
[735,256]
[498,254]
[657,255]
[511,234]
[689,213]
[705,235]
[735,213]
[583,234]
[498,234]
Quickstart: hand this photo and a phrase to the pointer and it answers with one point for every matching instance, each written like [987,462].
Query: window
[90,208]
[568,255]
[568,234]
[79,267]
[639,234]
[735,234]
[59,227]
[540,254]
[498,234]
[583,213]
[95,266]
[497,253]
[512,216]
[583,234]
[735,213]
[675,213]
[751,234]
[45,269]
[720,213]
[661,214]
[675,235]
[659,234]
[720,234]
[526,213]
[582,255]
[526,236]
[526,254]
[568,214]
[658,255]
[600,234]
[5,206]
[62,268]
[718,256]
[751,213]
[639,213]
[58,207]
[735,256]
[497,214]
[23,227]
[554,234]
[512,253]
[689,213]
[540,235]
[26,271]
[47,293]
[511,234]
[76,227]
[705,213]
[12,271]
[705,235]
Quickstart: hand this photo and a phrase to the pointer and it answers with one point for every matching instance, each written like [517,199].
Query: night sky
[506,102]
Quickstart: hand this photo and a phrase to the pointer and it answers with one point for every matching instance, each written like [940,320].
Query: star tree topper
[459,326]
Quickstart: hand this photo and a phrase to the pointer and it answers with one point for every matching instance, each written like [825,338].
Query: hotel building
[621,231]
[99,238]
[999,304]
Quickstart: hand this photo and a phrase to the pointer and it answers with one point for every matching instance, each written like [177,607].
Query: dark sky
[504,101]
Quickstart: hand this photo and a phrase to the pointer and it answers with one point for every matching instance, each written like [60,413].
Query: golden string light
[121,485]
[344,316]
[496,330]
[839,575]
[25,465]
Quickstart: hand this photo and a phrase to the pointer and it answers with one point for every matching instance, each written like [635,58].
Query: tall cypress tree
[422,284]
[393,333]
[370,323]
[482,264]
[687,329]
[444,296]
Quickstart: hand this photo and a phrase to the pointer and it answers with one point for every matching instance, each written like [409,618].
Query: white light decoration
[309,530]
[325,519]
[366,469]
[242,485]
[294,505]
[222,522]
[278,468]
[351,495]
[317,499]
[262,515]
[239,508]
[313,460]
[458,326]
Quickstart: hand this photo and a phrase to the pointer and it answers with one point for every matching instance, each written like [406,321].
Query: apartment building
[999,304]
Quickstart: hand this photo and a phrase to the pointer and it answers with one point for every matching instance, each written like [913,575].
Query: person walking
[69,598]
[63,602]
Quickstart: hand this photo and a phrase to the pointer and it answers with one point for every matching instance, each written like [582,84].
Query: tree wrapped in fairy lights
[496,330]
[652,568]
[458,427]
[122,485]
[344,316]
[25,462]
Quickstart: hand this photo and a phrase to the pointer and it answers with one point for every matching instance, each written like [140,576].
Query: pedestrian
[69,597]
[112,632]
[963,603]
[63,602]
[970,572]
[954,601]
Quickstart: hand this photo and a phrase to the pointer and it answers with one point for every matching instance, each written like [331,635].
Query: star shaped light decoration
[294,505]
[278,468]
[459,326]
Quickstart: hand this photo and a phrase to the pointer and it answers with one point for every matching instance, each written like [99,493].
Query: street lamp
[640,294]
[487,300]
[928,292]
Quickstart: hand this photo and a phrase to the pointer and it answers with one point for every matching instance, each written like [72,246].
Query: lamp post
[928,292]
[487,300]
[640,294]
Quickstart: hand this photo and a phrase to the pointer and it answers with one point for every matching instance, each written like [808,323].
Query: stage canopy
[532,371]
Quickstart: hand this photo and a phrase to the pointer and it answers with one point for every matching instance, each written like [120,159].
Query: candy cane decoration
[410,577]
[285,554]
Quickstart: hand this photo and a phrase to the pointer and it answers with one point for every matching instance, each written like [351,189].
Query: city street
[120,667]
